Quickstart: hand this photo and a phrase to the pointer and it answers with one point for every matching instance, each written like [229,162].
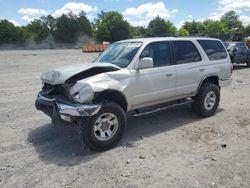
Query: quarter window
[214,49]
[186,52]
[159,52]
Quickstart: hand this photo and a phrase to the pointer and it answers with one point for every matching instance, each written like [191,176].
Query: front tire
[207,101]
[104,130]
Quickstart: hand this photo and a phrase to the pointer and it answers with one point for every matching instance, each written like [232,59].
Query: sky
[136,12]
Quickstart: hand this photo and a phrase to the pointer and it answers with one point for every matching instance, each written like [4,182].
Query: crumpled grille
[55,89]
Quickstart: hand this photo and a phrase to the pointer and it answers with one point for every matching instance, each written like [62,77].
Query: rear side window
[241,46]
[186,52]
[214,49]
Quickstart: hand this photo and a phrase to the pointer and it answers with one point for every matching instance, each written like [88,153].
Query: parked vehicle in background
[132,75]
[239,52]
[247,41]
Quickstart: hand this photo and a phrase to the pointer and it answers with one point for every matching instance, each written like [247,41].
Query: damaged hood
[73,73]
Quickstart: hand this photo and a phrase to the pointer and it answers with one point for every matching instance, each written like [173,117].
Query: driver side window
[159,52]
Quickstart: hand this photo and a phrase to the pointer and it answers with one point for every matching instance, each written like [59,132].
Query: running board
[163,108]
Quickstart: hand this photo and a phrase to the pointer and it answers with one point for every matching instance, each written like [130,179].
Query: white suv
[133,74]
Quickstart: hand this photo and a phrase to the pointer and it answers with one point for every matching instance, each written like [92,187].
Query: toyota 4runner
[131,75]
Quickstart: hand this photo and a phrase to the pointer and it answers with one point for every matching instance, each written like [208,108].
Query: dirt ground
[171,148]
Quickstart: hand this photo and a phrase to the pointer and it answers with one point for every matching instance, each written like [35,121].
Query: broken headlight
[76,97]
[82,92]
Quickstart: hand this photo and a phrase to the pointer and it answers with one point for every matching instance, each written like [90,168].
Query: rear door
[241,52]
[189,68]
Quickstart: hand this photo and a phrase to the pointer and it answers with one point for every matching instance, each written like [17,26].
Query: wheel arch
[209,79]
[112,95]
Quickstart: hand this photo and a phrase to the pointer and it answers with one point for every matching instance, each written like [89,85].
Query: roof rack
[168,35]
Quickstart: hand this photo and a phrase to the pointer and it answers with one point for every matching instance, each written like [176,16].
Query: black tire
[198,104]
[87,127]
[248,63]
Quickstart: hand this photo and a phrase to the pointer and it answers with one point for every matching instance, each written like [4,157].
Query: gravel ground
[171,148]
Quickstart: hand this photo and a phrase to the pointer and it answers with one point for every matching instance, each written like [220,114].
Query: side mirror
[145,63]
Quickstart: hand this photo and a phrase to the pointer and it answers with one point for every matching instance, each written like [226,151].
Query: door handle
[169,74]
[202,70]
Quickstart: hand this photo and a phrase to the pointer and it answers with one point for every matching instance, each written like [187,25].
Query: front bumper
[67,111]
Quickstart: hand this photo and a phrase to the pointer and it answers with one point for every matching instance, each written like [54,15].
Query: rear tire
[248,63]
[104,130]
[207,100]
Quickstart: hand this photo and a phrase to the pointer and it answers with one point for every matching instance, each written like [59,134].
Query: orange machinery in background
[94,47]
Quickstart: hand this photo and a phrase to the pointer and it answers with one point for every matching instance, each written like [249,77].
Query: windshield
[120,54]
[229,46]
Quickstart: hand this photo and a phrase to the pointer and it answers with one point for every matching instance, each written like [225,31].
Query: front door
[157,84]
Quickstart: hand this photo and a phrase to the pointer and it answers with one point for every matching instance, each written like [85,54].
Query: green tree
[111,27]
[70,27]
[84,25]
[183,32]
[65,29]
[215,29]
[194,28]
[10,34]
[50,22]
[160,27]
[231,21]
[247,30]
[38,30]
[138,31]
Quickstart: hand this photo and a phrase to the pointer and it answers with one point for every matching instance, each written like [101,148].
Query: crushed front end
[65,94]
[54,102]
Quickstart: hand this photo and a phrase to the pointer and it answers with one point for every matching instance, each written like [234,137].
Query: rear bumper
[66,111]
[225,82]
